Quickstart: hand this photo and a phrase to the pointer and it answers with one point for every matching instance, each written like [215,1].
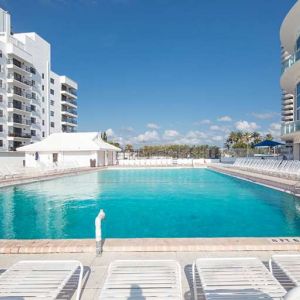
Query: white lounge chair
[289,264]
[39,279]
[236,279]
[143,279]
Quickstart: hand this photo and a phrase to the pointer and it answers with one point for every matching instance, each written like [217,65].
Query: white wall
[12,159]
[69,159]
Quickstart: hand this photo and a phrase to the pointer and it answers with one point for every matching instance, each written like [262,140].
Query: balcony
[20,108]
[69,111]
[68,102]
[18,121]
[68,121]
[19,95]
[69,129]
[290,128]
[13,135]
[290,61]
[18,66]
[21,81]
[70,92]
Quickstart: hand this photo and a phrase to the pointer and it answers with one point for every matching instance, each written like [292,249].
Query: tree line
[242,140]
[235,140]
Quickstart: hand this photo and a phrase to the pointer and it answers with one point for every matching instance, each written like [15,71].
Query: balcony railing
[69,110]
[20,93]
[20,79]
[19,106]
[290,127]
[290,61]
[65,99]
[19,65]
[21,135]
[69,90]
[19,121]
[69,120]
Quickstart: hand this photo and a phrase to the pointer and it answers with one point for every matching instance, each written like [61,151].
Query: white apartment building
[290,79]
[34,101]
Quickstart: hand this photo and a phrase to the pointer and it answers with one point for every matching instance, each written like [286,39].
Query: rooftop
[79,141]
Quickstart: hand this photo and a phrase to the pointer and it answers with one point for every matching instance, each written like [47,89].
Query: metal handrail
[98,231]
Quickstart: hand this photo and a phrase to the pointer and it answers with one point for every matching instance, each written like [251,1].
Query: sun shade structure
[236,278]
[143,279]
[40,279]
[268,143]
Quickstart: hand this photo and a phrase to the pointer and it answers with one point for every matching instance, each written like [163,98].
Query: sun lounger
[39,279]
[289,264]
[143,279]
[235,279]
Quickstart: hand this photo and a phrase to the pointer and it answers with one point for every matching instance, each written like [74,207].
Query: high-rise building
[290,79]
[34,101]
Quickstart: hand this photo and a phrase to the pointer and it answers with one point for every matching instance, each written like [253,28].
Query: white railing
[166,162]
[98,231]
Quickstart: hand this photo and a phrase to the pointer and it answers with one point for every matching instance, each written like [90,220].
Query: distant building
[290,79]
[70,150]
[34,101]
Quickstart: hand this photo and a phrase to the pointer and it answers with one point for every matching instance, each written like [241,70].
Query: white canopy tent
[82,149]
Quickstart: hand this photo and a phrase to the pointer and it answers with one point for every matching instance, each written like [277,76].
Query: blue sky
[162,71]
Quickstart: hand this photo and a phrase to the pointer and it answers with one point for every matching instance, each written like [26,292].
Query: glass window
[1,143]
[52,113]
[43,75]
[1,128]
[52,102]
[298,97]
[52,124]
[298,44]
[52,80]
[52,92]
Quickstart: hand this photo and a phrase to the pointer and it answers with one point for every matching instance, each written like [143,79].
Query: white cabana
[82,149]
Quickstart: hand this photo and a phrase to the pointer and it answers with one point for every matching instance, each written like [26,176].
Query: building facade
[290,79]
[34,101]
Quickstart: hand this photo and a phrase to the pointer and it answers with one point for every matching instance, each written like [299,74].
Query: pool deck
[283,184]
[150,245]
[95,267]
[42,176]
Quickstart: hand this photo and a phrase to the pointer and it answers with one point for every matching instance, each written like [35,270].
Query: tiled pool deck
[150,245]
[96,266]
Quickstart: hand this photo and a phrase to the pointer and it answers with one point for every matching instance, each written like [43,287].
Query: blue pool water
[147,203]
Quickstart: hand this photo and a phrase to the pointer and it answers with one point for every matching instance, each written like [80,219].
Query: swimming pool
[147,203]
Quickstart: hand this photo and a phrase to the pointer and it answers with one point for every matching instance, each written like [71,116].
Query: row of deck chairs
[14,172]
[156,162]
[213,279]
[146,162]
[281,168]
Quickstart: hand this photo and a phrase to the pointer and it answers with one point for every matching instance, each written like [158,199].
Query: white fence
[166,162]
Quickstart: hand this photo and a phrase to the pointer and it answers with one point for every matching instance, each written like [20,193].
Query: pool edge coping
[150,245]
